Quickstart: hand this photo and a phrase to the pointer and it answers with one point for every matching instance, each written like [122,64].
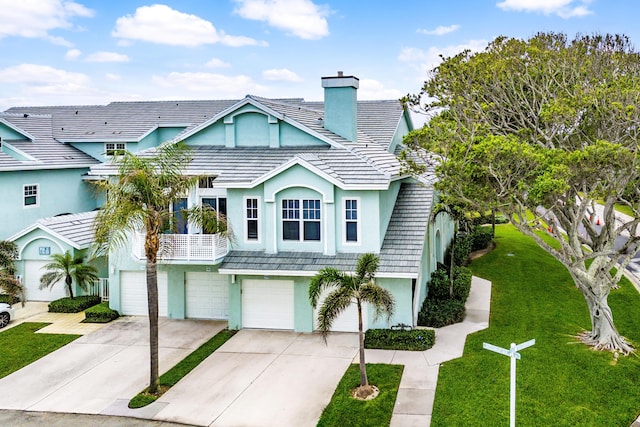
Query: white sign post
[513,355]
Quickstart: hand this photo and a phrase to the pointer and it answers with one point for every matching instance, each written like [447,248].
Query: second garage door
[267,304]
[207,295]
[133,293]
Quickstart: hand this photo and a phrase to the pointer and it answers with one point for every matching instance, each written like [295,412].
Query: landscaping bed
[344,410]
[73,305]
[388,339]
[100,313]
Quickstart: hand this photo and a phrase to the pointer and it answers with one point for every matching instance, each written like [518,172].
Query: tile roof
[400,255]
[76,229]
[46,152]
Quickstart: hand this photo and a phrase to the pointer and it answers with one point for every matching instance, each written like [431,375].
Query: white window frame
[357,221]
[116,146]
[246,219]
[301,221]
[37,195]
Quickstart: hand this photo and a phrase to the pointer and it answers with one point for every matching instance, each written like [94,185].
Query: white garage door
[133,293]
[347,321]
[207,295]
[31,280]
[267,304]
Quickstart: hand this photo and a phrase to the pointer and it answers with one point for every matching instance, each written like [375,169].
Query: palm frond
[367,266]
[326,278]
[335,303]
[381,299]
[11,286]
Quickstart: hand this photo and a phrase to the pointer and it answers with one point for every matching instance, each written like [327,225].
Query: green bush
[439,285]
[75,305]
[480,238]
[9,299]
[388,339]
[462,249]
[461,283]
[100,313]
[437,314]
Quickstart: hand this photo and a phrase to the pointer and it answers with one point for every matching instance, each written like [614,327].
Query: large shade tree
[138,200]
[9,283]
[543,130]
[68,268]
[347,289]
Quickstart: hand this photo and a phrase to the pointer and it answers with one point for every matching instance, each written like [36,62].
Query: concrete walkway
[61,323]
[414,403]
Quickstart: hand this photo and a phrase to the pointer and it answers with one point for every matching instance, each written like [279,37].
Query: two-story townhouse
[304,185]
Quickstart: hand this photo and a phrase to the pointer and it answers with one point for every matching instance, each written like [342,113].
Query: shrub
[462,249]
[388,339]
[480,238]
[439,285]
[437,314]
[75,305]
[461,283]
[100,313]
[9,299]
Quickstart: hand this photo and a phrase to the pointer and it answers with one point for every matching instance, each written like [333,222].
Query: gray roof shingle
[77,229]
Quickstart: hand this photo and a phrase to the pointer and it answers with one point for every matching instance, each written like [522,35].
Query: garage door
[207,295]
[133,293]
[267,304]
[347,321]
[32,272]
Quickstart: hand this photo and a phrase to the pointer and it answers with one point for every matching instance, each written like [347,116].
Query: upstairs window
[30,194]
[206,182]
[251,217]
[301,217]
[351,220]
[218,204]
[115,148]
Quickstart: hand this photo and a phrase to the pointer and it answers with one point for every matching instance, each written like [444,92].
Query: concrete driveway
[262,378]
[98,369]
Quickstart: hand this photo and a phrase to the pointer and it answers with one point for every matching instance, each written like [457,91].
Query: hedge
[388,339]
[100,313]
[75,305]
[437,314]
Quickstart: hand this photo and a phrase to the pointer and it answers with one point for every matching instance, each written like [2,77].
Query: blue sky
[57,52]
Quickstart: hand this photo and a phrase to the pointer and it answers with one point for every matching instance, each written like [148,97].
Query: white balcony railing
[100,288]
[185,247]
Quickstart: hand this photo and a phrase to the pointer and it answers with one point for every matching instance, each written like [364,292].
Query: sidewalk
[414,402]
[61,323]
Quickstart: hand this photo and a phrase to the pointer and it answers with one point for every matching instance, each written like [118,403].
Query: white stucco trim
[305,273]
[46,229]
[39,238]
[293,162]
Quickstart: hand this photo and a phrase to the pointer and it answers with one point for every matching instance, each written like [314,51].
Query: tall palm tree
[9,283]
[69,268]
[348,289]
[139,200]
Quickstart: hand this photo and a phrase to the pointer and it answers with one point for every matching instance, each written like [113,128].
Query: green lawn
[21,346]
[344,410]
[561,382]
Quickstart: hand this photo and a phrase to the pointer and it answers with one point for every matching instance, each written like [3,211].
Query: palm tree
[9,283]
[348,289]
[69,268]
[139,200]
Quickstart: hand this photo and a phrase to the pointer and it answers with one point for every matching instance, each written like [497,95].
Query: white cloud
[563,8]
[107,57]
[373,89]
[208,85]
[163,25]
[281,74]
[35,18]
[301,18]
[430,58]
[40,74]
[112,77]
[440,30]
[217,63]
[72,54]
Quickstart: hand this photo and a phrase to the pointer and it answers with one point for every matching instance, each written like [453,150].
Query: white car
[6,314]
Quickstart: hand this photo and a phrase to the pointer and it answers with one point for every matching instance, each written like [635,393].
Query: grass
[344,410]
[180,370]
[21,346]
[560,381]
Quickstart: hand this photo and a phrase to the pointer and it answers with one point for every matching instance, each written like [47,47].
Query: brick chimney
[341,105]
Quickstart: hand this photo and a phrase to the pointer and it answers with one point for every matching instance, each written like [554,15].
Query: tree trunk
[152,302]
[68,281]
[364,381]
[603,334]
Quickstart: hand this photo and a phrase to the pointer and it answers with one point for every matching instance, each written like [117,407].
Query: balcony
[185,247]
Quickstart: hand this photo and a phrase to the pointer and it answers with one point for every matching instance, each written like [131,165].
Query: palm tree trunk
[363,367]
[68,281]
[152,302]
